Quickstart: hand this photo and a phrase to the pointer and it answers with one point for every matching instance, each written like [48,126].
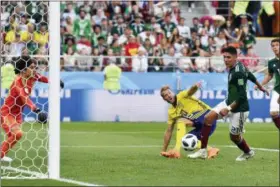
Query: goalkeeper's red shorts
[9,121]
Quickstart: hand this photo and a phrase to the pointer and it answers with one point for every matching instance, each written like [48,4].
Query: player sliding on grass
[185,111]
[18,98]
[274,70]
[236,106]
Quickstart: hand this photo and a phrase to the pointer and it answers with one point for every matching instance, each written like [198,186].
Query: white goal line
[39,176]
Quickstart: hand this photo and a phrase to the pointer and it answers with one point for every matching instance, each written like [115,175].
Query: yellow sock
[199,145]
[181,131]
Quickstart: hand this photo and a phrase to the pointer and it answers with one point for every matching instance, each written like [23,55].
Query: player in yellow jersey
[185,111]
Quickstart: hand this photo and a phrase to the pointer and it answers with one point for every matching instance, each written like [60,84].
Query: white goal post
[54,91]
[51,142]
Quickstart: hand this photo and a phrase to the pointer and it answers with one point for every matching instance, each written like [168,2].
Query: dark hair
[231,50]
[275,40]
[21,63]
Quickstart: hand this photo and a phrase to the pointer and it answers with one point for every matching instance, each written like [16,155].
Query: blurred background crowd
[140,36]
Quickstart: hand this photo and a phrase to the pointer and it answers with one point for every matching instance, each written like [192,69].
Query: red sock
[277,122]
[243,146]
[205,135]
[9,143]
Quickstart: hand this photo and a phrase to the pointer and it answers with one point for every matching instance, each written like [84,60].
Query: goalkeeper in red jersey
[18,98]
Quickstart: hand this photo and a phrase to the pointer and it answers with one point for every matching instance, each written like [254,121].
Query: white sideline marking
[255,148]
[154,146]
[75,182]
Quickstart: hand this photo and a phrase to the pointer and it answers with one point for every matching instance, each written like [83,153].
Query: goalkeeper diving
[17,99]
[185,111]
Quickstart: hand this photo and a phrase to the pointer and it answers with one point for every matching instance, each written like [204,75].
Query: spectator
[82,26]
[131,49]
[17,46]
[159,9]
[84,63]
[101,46]
[96,19]
[70,59]
[23,25]
[168,26]
[97,60]
[147,34]
[251,60]
[69,12]
[174,37]
[69,43]
[109,59]
[140,61]
[217,64]
[197,50]
[164,46]
[154,23]
[116,47]
[184,62]
[159,35]
[148,47]
[184,30]
[42,37]
[220,40]
[119,27]
[156,63]
[211,45]
[137,27]
[204,38]
[4,17]
[196,24]
[96,34]
[124,38]
[105,28]
[247,39]
[170,61]
[69,25]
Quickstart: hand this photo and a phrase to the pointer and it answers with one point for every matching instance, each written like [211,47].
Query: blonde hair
[164,88]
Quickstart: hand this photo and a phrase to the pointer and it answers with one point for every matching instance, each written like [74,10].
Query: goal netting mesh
[24,31]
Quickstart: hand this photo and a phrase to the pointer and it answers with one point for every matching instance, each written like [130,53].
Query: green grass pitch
[123,154]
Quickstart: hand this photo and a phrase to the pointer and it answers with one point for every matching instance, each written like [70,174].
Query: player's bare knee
[274,114]
[235,137]
[210,118]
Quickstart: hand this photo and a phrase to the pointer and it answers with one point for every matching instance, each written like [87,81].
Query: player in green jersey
[274,71]
[235,107]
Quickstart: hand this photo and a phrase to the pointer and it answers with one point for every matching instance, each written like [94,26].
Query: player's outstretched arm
[194,89]
[261,88]
[167,137]
[41,78]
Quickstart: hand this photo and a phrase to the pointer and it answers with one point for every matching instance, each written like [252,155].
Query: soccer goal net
[30,149]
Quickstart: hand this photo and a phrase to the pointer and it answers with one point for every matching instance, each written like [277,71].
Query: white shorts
[274,106]
[236,120]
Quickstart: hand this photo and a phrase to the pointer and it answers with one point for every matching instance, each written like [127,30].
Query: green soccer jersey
[274,70]
[237,87]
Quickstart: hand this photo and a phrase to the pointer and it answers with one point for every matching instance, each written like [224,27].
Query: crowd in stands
[142,36]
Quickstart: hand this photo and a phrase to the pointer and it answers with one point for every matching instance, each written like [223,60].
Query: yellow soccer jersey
[185,105]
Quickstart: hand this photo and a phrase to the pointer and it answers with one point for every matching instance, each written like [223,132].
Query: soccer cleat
[6,159]
[201,153]
[246,156]
[213,152]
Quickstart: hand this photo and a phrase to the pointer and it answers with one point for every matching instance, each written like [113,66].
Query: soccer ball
[189,142]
